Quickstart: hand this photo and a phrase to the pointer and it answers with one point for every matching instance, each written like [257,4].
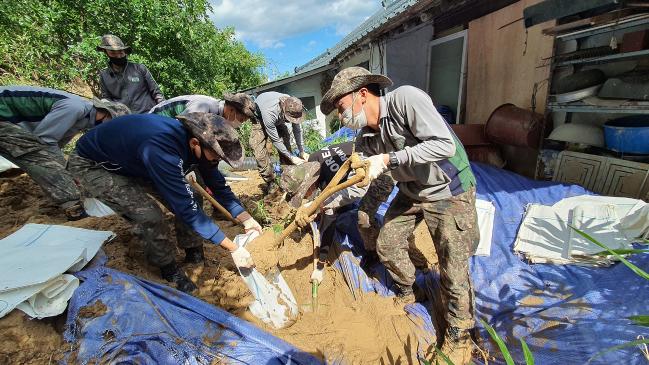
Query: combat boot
[194,255]
[172,274]
[457,347]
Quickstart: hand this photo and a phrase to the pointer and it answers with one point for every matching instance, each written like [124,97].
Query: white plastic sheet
[486,212]
[545,235]
[32,261]
[274,302]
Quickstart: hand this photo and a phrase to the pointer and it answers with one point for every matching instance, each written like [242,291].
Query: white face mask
[354,121]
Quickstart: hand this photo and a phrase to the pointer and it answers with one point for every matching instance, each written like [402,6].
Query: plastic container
[628,134]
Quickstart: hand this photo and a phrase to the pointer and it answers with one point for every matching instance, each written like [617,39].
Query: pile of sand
[365,330]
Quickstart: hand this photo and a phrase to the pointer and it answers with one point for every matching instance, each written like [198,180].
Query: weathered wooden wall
[500,68]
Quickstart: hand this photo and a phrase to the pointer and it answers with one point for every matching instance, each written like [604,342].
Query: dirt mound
[29,341]
[364,330]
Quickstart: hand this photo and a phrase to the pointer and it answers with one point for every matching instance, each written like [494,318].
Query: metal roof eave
[286,80]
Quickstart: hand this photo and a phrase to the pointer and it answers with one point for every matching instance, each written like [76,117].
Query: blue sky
[291,32]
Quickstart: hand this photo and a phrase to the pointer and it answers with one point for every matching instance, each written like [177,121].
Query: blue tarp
[117,318]
[565,313]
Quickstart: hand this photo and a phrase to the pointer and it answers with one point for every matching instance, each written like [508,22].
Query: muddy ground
[368,330]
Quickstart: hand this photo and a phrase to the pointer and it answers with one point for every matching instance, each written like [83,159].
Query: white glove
[242,258]
[317,275]
[251,224]
[377,166]
[305,156]
[297,161]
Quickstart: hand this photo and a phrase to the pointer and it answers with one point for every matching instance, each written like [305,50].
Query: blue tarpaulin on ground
[117,318]
[565,313]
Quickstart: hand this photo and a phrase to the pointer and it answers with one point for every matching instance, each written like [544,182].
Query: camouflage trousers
[378,192]
[262,147]
[44,163]
[453,226]
[133,199]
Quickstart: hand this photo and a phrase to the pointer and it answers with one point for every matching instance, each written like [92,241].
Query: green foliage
[313,141]
[52,43]
[642,320]
[501,344]
[260,213]
[335,125]
[621,251]
[642,341]
[529,358]
[631,266]
[244,134]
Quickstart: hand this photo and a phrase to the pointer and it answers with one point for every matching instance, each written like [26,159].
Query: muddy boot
[194,255]
[405,295]
[172,274]
[457,346]
[74,210]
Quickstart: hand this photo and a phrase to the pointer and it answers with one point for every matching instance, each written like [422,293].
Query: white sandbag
[6,164]
[95,208]
[274,302]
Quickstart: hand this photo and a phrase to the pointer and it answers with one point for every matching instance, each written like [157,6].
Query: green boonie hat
[111,42]
[243,103]
[297,179]
[114,108]
[292,109]
[348,80]
[215,132]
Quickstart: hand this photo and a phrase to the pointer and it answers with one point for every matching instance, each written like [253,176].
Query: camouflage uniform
[35,123]
[129,197]
[261,151]
[42,162]
[368,227]
[452,225]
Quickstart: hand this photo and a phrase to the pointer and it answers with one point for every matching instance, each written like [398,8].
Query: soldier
[402,132]
[300,182]
[123,161]
[35,123]
[275,109]
[126,82]
[235,108]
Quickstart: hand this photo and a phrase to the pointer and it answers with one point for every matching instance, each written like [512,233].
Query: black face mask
[118,61]
[204,162]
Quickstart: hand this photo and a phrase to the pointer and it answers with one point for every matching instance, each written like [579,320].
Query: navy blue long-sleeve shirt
[156,147]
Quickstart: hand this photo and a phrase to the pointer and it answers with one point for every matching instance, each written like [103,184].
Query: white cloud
[267,22]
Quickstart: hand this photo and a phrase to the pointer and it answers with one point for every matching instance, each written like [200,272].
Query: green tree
[52,43]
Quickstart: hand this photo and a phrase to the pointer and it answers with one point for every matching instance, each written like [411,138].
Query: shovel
[361,178]
[191,179]
[316,254]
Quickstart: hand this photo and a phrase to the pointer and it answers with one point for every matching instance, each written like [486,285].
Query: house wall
[306,87]
[407,57]
[502,68]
